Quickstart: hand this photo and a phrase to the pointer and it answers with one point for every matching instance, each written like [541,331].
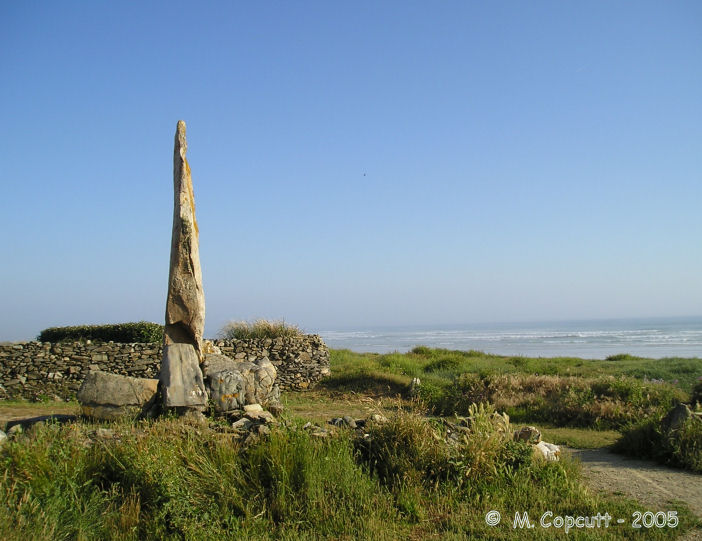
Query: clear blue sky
[354,163]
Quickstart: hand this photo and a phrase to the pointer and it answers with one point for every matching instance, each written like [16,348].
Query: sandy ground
[652,485]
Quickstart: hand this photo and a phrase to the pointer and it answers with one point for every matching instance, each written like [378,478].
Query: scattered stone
[260,416]
[528,434]
[253,407]
[547,451]
[345,421]
[262,430]
[379,419]
[181,378]
[242,424]
[111,396]
[15,430]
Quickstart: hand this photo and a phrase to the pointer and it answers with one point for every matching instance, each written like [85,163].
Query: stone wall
[39,369]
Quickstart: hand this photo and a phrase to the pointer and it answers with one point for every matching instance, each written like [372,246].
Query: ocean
[589,339]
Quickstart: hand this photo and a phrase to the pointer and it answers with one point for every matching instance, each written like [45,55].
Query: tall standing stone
[181,377]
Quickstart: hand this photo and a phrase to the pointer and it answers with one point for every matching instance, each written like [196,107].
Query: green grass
[167,479]
[681,447]
[261,328]
[579,438]
[564,391]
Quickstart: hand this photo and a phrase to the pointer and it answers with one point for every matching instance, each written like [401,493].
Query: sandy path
[653,485]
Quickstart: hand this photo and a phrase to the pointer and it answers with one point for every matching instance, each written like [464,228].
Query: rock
[414,386]
[249,408]
[181,377]
[3,437]
[242,384]
[242,424]
[528,434]
[112,396]
[262,430]
[276,408]
[216,362]
[346,420]
[547,451]
[260,416]
[676,417]
[209,347]
[227,390]
[14,430]
[379,419]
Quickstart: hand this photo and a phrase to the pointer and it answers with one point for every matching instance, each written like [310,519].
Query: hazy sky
[354,163]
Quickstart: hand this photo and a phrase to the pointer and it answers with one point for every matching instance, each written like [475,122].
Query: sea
[589,339]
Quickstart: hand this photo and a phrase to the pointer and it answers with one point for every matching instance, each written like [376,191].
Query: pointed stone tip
[180,128]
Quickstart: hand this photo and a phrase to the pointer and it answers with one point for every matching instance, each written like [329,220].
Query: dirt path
[653,485]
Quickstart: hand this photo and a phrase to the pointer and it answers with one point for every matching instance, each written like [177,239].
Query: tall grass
[681,447]
[170,480]
[260,328]
[561,391]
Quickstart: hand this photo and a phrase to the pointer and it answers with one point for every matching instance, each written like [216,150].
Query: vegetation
[261,328]
[565,392]
[141,331]
[168,479]
[649,439]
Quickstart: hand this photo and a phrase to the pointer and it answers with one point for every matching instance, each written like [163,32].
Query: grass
[562,391]
[579,438]
[260,328]
[168,479]
[407,479]
[681,447]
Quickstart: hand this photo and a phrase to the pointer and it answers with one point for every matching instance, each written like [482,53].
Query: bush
[141,331]
[261,328]
[696,394]
[647,439]
[604,402]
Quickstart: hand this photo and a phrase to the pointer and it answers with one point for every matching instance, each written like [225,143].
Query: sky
[354,164]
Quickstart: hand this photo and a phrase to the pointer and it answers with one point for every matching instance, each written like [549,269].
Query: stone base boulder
[233,384]
[677,417]
[108,396]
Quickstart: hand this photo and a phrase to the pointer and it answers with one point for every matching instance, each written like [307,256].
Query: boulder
[528,434]
[676,417]
[112,396]
[3,437]
[233,385]
[547,451]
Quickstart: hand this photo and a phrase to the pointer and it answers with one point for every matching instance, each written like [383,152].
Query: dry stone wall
[40,369]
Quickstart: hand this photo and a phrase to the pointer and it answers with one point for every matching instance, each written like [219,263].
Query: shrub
[141,331]
[623,357]
[421,350]
[261,328]
[647,439]
[604,402]
[696,397]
